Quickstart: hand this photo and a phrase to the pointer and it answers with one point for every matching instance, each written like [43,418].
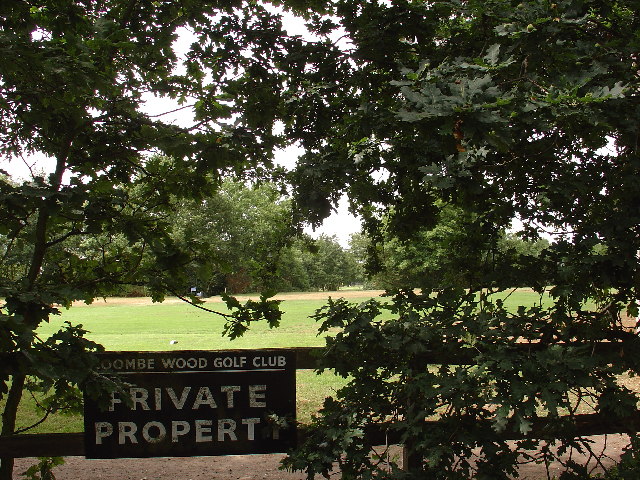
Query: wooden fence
[72,444]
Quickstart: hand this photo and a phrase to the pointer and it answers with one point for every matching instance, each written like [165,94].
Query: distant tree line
[247,231]
[242,240]
[457,250]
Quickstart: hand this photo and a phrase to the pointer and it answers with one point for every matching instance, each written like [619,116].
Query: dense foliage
[237,236]
[244,240]
[498,109]
[77,83]
[426,260]
[506,110]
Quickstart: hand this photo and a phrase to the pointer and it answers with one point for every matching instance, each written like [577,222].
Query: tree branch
[191,302]
[40,244]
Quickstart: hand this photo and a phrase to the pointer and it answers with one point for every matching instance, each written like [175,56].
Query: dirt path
[250,467]
[347,294]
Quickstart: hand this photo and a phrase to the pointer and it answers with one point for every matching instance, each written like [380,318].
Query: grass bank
[138,324]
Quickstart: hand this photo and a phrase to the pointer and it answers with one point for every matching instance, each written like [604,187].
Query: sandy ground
[247,467]
[347,294]
[255,467]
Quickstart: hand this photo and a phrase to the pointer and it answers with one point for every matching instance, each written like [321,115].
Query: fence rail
[72,444]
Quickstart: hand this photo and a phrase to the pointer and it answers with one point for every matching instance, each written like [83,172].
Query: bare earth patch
[250,467]
[246,467]
[348,294]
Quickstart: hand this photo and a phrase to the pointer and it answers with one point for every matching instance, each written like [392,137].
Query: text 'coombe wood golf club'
[194,403]
[142,364]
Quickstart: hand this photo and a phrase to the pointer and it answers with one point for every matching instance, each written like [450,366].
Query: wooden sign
[192,403]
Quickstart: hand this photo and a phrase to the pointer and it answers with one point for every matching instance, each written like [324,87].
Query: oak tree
[78,81]
[507,110]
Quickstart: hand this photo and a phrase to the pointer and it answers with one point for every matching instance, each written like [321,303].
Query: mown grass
[152,327]
[140,325]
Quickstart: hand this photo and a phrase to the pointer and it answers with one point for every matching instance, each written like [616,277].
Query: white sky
[340,224]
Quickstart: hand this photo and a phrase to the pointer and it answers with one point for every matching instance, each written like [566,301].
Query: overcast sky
[341,224]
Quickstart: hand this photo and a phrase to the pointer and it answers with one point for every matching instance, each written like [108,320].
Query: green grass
[151,327]
[30,413]
[522,296]
[139,325]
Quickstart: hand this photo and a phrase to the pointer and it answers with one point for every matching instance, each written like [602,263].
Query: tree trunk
[9,415]
[40,246]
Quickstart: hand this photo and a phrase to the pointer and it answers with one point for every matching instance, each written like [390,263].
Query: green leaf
[411,116]
[492,54]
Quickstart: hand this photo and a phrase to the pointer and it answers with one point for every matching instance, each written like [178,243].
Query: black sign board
[192,403]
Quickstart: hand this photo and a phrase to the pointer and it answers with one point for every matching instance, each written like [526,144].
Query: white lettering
[178,403]
[203,431]
[204,397]
[158,398]
[154,432]
[144,364]
[103,430]
[230,362]
[182,363]
[139,396]
[162,432]
[270,362]
[169,363]
[114,400]
[227,426]
[127,430]
[256,397]
[179,427]
[250,423]
[229,390]
[128,364]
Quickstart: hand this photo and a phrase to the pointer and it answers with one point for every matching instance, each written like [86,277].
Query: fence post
[411,461]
